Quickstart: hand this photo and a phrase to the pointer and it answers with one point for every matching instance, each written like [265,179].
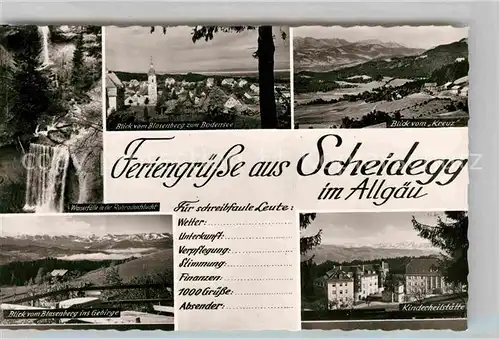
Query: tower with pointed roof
[152,85]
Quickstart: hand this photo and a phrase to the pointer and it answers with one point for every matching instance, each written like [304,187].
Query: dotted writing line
[264,293]
[277,251]
[257,307]
[258,279]
[256,238]
[251,223]
[263,265]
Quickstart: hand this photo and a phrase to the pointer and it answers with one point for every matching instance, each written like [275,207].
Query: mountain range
[328,54]
[351,252]
[31,247]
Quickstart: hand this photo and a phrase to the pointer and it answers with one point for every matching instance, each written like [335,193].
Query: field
[351,88]
[148,265]
[413,106]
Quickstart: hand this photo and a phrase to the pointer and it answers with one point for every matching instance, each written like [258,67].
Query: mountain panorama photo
[375,77]
[369,265]
[88,262]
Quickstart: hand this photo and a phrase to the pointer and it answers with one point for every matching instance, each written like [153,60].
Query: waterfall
[44,30]
[46,179]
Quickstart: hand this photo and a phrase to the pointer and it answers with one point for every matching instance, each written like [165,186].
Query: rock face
[85,147]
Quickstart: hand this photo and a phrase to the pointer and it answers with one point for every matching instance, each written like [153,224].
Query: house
[227,82]
[242,83]
[210,82]
[57,275]
[430,87]
[464,91]
[254,88]
[115,93]
[367,280]
[130,100]
[339,288]
[445,86]
[459,59]
[455,89]
[169,82]
[395,295]
[134,83]
[232,102]
[422,277]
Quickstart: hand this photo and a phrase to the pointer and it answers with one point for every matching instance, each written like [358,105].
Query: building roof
[58,273]
[112,80]
[430,84]
[461,80]
[422,266]
[336,274]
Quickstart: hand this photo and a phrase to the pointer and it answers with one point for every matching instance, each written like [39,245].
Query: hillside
[33,247]
[328,54]
[152,264]
[365,253]
[410,67]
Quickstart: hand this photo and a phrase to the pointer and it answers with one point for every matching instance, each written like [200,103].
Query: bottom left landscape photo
[95,271]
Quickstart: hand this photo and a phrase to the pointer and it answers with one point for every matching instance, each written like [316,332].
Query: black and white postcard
[378,77]
[51,105]
[383,267]
[197,77]
[107,270]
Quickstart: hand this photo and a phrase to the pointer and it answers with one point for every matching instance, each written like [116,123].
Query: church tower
[152,85]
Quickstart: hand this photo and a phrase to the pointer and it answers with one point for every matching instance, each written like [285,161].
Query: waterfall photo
[117,267]
[409,268]
[197,77]
[51,109]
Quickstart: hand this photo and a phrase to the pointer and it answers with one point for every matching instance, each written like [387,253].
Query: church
[152,85]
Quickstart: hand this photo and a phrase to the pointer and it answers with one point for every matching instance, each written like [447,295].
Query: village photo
[52,116]
[385,265]
[87,262]
[374,76]
[200,77]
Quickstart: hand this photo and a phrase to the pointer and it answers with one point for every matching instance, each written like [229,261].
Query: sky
[411,36]
[130,49]
[84,225]
[369,228]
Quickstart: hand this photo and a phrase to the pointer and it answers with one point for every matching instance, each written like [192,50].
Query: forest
[21,273]
[51,95]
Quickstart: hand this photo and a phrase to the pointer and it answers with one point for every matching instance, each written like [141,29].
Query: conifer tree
[31,97]
[77,73]
[450,235]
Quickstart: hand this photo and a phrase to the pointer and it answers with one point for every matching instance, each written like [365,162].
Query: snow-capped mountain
[108,241]
[407,245]
[328,54]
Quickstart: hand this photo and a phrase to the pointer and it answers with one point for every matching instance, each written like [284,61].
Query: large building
[152,85]
[353,283]
[422,278]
